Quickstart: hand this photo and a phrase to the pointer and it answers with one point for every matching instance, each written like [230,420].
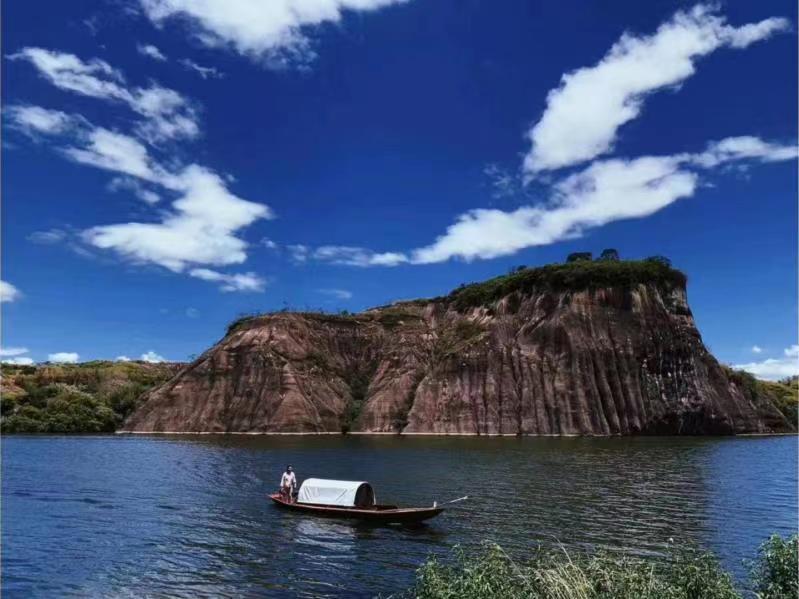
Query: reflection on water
[188,515]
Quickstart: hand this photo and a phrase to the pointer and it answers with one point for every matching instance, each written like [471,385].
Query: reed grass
[560,574]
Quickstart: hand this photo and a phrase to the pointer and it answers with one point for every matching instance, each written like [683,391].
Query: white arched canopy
[344,493]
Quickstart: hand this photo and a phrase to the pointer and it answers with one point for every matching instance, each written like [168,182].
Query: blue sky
[169,165]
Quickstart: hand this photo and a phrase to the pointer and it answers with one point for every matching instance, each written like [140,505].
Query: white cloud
[503,183]
[152,357]
[583,115]
[34,120]
[247,281]
[24,361]
[351,256]
[268,243]
[200,229]
[167,114]
[743,148]
[756,349]
[6,352]
[122,359]
[118,153]
[299,252]
[8,293]
[151,52]
[63,357]
[204,72]
[341,294]
[48,237]
[192,313]
[269,32]
[775,368]
[604,192]
[129,184]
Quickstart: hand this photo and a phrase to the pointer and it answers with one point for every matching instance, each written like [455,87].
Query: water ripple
[188,516]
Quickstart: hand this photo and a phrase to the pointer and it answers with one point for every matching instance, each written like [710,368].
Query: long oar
[436,504]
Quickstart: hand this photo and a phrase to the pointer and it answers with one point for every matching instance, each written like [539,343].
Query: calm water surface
[187,516]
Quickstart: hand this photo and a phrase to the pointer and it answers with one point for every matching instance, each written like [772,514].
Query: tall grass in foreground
[556,574]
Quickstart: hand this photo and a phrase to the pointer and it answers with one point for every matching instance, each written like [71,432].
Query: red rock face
[615,361]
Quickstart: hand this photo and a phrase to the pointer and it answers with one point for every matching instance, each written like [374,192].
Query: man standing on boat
[288,482]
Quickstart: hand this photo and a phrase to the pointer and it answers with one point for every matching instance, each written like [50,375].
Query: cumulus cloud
[8,293]
[272,32]
[200,228]
[63,357]
[204,72]
[756,349]
[122,359]
[152,357]
[166,114]
[247,281]
[7,352]
[583,115]
[341,294]
[775,368]
[21,361]
[151,51]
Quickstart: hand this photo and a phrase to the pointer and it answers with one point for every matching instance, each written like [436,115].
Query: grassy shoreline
[683,573]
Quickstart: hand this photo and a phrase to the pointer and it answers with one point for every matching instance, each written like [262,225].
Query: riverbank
[92,397]
[559,574]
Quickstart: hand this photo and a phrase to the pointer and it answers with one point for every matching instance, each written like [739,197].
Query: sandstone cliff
[602,348]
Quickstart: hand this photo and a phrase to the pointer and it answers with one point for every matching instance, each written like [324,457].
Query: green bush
[556,574]
[774,574]
[783,394]
[573,276]
[94,397]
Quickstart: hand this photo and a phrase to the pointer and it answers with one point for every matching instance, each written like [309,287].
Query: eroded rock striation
[576,349]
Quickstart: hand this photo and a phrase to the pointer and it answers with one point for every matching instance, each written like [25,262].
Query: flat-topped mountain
[584,348]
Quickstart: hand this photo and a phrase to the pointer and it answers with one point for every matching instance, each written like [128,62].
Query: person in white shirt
[288,482]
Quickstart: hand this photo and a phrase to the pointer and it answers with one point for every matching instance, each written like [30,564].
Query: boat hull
[379,514]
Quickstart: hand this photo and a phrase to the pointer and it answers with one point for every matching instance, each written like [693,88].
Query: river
[188,515]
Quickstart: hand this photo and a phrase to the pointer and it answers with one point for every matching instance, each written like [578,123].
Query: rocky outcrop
[580,349]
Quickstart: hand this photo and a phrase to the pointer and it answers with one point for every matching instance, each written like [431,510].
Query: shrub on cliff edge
[573,276]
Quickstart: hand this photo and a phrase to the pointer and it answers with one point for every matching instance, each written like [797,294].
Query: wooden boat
[353,500]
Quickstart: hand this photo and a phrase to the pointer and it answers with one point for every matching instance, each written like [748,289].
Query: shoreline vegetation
[96,397]
[92,397]
[682,573]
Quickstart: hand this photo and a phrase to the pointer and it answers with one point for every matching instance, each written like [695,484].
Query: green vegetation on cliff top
[577,275]
[571,276]
[94,397]
[556,574]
